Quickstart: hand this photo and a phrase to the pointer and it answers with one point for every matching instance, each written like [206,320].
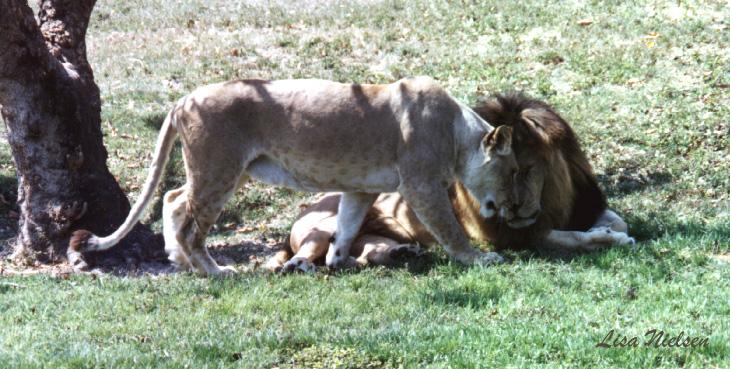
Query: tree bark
[52,110]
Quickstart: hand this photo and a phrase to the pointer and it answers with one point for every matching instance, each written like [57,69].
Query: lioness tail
[83,240]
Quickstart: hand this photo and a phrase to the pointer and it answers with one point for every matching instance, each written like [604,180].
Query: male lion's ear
[534,119]
[500,140]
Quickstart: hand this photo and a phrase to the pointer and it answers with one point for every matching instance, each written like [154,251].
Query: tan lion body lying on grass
[410,136]
[556,201]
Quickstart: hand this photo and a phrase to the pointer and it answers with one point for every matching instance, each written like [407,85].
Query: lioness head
[491,172]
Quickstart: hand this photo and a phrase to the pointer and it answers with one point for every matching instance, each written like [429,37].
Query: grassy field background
[646,85]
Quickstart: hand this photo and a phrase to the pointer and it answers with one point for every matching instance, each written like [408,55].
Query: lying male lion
[314,135]
[556,201]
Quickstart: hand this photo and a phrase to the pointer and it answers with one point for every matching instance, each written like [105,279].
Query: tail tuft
[78,243]
[79,240]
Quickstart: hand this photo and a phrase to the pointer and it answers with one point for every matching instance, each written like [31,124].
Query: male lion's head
[543,143]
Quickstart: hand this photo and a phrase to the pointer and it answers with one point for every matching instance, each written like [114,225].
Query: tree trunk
[51,108]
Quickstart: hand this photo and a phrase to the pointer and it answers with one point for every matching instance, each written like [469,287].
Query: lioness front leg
[431,204]
[350,214]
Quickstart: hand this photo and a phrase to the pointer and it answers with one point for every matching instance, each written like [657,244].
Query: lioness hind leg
[204,205]
[173,218]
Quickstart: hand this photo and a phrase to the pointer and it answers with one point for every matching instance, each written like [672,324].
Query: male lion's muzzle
[516,220]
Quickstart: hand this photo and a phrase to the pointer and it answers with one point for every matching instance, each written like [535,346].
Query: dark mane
[587,202]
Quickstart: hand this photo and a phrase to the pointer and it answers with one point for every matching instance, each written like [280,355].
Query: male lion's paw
[298,264]
[624,239]
[405,251]
[609,236]
[488,259]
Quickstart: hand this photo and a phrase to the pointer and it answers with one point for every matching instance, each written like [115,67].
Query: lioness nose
[491,205]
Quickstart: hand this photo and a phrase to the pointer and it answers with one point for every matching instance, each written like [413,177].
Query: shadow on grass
[656,225]
[463,290]
[245,252]
[632,180]
[154,120]
[462,297]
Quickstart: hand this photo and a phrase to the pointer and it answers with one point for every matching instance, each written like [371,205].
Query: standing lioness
[409,136]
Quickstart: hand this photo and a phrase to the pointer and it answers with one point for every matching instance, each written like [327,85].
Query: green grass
[644,85]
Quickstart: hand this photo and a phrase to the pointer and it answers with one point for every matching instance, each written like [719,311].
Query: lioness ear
[500,140]
[533,119]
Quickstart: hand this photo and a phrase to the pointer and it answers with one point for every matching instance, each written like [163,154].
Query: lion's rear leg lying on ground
[367,249]
[312,235]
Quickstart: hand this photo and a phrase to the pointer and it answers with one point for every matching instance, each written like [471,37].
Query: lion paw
[609,236]
[298,264]
[405,251]
[625,239]
[488,259]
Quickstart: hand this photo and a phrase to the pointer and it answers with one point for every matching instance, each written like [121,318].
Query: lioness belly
[320,175]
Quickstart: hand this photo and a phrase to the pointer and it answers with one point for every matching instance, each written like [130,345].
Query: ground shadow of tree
[648,225]
[617,183]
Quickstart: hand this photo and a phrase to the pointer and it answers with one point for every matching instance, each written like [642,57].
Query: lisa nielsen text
[652,338]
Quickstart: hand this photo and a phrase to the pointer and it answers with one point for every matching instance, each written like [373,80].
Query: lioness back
[313,134]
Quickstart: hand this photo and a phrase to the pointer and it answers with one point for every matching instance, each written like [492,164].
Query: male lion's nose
[491,205]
